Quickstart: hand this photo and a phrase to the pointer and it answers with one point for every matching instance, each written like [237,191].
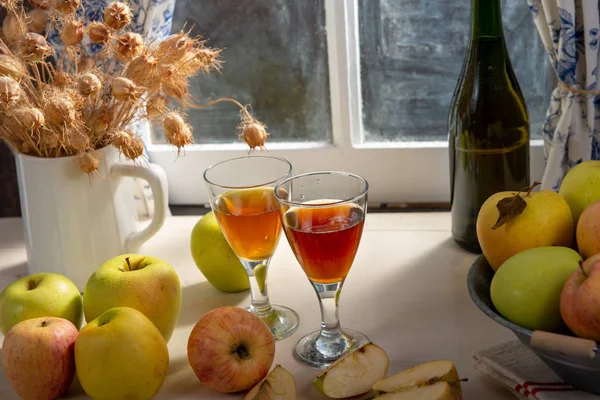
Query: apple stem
[128,264]
[44,323]
[530,188]
[582,269]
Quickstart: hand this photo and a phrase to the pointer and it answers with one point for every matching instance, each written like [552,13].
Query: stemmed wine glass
[241,192]
[323,217]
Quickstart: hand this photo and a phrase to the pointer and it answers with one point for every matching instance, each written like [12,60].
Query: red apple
[38,359]
[230,349]
[580,300]
[588,231]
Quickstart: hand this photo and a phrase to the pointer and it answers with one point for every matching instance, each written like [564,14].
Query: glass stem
[328,301]
[257,274]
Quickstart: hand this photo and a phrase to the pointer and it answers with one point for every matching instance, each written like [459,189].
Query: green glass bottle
[488,125]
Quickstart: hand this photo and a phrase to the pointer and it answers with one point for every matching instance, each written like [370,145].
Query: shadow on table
[201,297]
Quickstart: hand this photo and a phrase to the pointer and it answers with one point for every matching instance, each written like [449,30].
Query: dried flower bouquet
[74,104]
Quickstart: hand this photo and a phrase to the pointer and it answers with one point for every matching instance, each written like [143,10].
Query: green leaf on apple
[510,207]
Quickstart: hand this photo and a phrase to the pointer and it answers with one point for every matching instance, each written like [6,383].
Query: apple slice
[440,390]
[278,384]
[420,375]
[353,374]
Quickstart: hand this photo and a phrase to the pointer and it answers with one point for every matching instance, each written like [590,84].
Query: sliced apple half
[438,391]
[353,374]
[279,384]
[420,375]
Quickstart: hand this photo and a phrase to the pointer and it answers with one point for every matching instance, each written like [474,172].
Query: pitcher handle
[157,179]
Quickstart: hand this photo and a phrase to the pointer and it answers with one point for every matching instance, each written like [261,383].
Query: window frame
[400,172]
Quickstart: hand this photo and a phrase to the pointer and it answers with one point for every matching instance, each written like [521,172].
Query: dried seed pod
[129,46]
[13,27]
[88,162]
[124,89]
[156,106]
[134,150]
[30,117]
[10,91]
[208,58]
[98,32]
[174,47]
[37,20]
[117,15]
[67,6]
[98,124]
[11,66]
[27,147]
[41,4]
[77,140]
[254,134]
[72,33]
[89,84]
[122,140]
[142,70]
[33,47]
[176,88]
[60,110]
[48,139]
[177,131]
[62,78]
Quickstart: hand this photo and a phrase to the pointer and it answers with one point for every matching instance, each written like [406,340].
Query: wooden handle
[568,345]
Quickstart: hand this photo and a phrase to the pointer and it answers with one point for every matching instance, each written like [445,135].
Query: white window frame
[397,172]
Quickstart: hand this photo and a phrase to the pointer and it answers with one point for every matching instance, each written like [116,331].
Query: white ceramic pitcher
[73,222]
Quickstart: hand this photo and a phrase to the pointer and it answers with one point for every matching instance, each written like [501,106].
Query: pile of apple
[544,247]
[131,302]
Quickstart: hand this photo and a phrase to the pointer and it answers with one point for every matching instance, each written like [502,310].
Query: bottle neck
[486,19]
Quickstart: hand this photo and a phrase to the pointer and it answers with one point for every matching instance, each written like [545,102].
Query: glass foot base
[283,321]
[320,352]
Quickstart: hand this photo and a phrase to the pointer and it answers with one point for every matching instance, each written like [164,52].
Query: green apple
[40,295]
[121,355]
[145,283]
[215,259]
[526,289]
[546,220]
[581,187]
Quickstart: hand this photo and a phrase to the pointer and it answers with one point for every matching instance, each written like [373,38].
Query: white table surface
[406,291]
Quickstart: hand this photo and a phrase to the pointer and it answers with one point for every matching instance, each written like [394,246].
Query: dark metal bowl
[580,372]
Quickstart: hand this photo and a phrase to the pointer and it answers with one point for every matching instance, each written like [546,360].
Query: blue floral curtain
[569,30]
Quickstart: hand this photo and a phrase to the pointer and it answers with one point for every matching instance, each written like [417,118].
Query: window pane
[411,55]
[275,59]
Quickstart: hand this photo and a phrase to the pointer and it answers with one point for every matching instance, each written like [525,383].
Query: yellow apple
[121,355]
[546,220]
[145,283]
[215,259]
[37,356]
[43,294]
[588,231]
[230,349]
[581,187]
